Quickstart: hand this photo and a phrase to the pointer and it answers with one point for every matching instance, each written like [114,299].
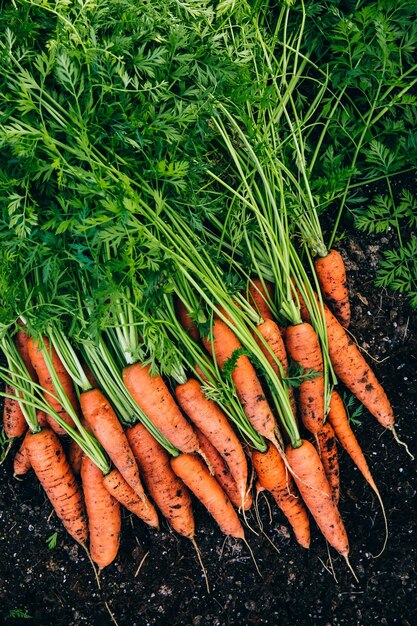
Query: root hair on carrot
[252,556]
[401,443]
[200,560]
[142,561]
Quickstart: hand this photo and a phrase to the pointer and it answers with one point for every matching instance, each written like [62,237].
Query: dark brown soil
[58,587]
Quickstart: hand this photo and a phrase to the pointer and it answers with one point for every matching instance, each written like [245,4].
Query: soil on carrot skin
[156,578]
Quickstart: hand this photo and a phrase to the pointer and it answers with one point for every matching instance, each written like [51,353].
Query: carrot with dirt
[327,449]
[213,423]
[331,274]
[275,478]
[104,515]
[166,489]
[14,422]
[21,341]
[123,492]
[223,475]
[21,461]
[205,487]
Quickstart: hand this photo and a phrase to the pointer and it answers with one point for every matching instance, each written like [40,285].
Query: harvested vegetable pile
[174,324]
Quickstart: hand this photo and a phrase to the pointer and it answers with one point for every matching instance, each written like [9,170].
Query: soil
[156,578]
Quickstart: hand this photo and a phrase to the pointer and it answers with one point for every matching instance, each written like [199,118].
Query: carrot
[303,347]
[185,320]
[123,492]
[274,477]
[21,462]
[331,274]
[107,429]
[13,419]
[55,475]
[205,487]
[75,456]
[21,340]
[223,475]
[258,297]
[248,387]
[45,380]
[42,419]
[154,398]
[327,449]
[271,332]
[167,491]
[315,490]
[104,517]
[213,423]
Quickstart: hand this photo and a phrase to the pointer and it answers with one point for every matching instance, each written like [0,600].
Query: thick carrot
[327,449]
[56,477]
[213,423]
[271,332]
[275,478]
[13,419]
[21,462]
[104,516]
[223,475]
[75,456]
[331,274]
[258,297]
[205,487]
[21,340]
[185,320]
[248,387]
[303,347]
[45,380]
[167,491]
[315,490]
[154,398]
[123,492]
[106,427]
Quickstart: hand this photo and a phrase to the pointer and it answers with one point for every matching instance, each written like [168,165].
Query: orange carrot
[104,517]
[13,419]
[331,274]
[315,490]
[213,423]
[327,449]
[42,419]
[21,462]
[106,427]
[167,491]
[45,380]
[274,477]
[185,320]
[123,492]
[248,387]
[21,340]
[75,456]
[223,475]
[205,487]
[303,347]
[258,297]
[54,473]
[154,398]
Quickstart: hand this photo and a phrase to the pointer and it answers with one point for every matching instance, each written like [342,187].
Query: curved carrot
[205,487]
[185,320]
[123,492]
[213,423]
[13,419]
[45,380]
[331,273]
[21,462]
[107,429]
[167,491]
[104,516]
[315,490]
[56,477]
[303,347]
[327,449]
[248,387]
[258,297]
[274,477]
[154,398]
[223,475]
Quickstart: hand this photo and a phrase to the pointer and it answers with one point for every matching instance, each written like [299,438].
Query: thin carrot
[331,273]
[258,297]
[13,419]
[21,462]
[104,516]
[154,398]
[21,340]
[274,477]
[166,489]
[45,380]
[205,487]
[123,492]
[213,423]
[75,456]
[248,387]
[223,475]
[56,477]
[106,427]
[327,449]
[303,347]
[315,490]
